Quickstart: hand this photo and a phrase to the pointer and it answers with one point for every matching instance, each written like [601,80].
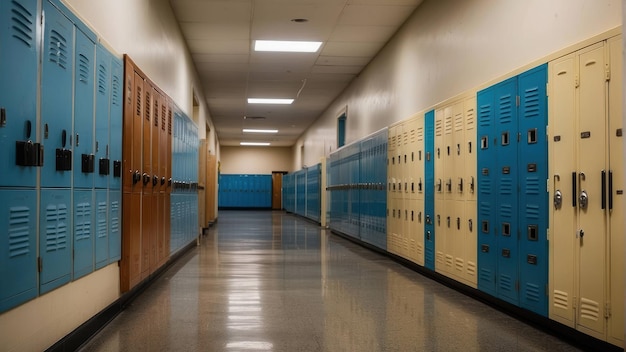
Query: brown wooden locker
[127,127]
[130,265]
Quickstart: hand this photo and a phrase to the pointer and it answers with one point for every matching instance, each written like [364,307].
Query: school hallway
[271,281]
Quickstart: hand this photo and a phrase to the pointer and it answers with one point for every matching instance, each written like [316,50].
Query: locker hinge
[547,89]
[548,234]
[517,286]
[517,99]
[607,310]
[607,72]
[576,82]
[39,264]
[548,185]
[519,136]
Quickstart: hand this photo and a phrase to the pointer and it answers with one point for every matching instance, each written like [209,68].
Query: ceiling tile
[351,49]
[350,33]
[213,11]
[219,47]
[375,15]
[342,60]
[215,32]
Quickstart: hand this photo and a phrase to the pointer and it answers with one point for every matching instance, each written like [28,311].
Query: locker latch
[63,156]
[117,168]
[87,163]
[583,199]
[3,117]
[103,166]
[28,153]
[558,199]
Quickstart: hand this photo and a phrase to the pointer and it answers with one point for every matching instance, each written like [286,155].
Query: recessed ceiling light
[269,101]
[287,46]
[252,130]
[258,144]
[299,20]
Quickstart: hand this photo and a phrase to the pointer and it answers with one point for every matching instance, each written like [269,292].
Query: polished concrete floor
[269,281]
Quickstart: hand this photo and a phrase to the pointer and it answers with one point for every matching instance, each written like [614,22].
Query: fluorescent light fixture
[287,46]
[256,144]
[269,101]
[250,130]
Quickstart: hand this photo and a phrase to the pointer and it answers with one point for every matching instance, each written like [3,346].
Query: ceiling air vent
[254,117]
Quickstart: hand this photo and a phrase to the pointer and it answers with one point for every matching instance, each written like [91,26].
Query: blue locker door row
[429,191]
[512,197]
[245,191]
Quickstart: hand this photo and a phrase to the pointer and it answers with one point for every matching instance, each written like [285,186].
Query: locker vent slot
[101,231]
[56,227]
[18,231]
[83,68]
[115,91]
[589,309]
[102,79]
[532,292]
[470,269]
[505,109]
[139,101]
[83,221]
[531,103]
[505,283]
[148,112]
[22,24]
[561,299]
[156,112]
[58,49]
[484,115]
[163,117]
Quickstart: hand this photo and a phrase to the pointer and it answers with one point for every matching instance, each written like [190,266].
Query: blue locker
[505,143]
[267,191]
[18,91]
[103,107]
[101,229]
[429,190]
[18,256]
[301,192]
[115,223]
[55,244]
[83,233]
[84,67]
[56,98]
[533,200]
[115,129]
[486,170]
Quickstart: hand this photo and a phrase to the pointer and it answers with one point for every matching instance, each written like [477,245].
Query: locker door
[101,229]
[56,97]
[616,196]
[457,155]
[18,87]
[102,159]
[54,242]
[116,123]
[487,207]
[505,141]
[563,197]
[429,190]
[83,233]
[156,137]
[84,164]
[129,110]
[440,206]
[115,222]
[470,190]
[147,228]
[592,146]
[18,253]
[417,168]
[533,170]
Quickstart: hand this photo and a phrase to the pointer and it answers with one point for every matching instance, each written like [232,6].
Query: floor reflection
[269,281]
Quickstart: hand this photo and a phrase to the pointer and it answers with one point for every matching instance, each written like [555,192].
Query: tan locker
[458,239]
[417,170]
[391,184]
[440,216]
[469,191]
[616,197]
[592,161]
[562,127]
[584,290]
[202,182]
[211,188]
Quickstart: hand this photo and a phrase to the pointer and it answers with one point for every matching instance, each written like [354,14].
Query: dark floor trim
[244,208]
[572,336]
[82,334]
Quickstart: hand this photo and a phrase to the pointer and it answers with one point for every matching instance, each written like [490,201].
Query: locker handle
[146,178]
[136,177]
[610,190]
[603,197]
[3,117]
[77,142]
[29,127]
[472,184]
[155,180]
[461,184]
[63,138]
[162,181]
[574,189]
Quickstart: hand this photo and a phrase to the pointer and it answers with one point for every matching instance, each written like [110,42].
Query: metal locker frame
[18,105]
[55,238]
[18,252]
[56,97]
[101,226]
[82,139]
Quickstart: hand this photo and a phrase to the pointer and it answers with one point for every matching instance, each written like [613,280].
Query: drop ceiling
[220,35]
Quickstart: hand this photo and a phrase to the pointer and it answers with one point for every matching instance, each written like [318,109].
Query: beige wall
[255,160]
[448,47]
